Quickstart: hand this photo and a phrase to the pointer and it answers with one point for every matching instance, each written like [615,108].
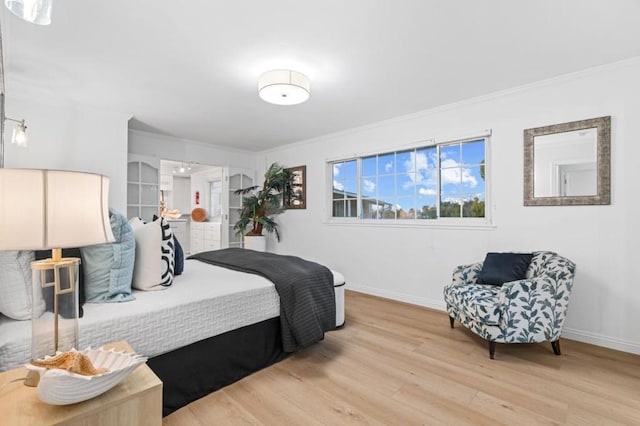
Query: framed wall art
[297,198]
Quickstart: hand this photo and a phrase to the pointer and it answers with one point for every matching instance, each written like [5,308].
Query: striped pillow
[168,252]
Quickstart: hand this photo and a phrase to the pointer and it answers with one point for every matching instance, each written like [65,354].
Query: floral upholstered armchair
[529,310]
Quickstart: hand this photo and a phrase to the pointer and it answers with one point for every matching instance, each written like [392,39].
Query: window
[437,181]
[215,194]
[345,189]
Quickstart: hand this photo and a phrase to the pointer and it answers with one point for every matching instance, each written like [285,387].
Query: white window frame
[440,222]
[211,198]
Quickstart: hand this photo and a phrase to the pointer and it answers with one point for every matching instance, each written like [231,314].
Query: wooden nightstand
[137,400]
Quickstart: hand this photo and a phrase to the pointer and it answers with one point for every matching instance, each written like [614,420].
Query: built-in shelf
[142,190]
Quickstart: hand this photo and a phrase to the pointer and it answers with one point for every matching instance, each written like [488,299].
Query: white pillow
[16,287]
[147,268]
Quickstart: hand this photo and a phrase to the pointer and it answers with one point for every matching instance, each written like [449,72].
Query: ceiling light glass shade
[34,11]
[284,87]
[46,209]
[19,136]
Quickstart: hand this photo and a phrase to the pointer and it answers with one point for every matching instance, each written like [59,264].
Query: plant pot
[257,243]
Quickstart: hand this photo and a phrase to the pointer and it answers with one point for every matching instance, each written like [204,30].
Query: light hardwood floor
[401,364]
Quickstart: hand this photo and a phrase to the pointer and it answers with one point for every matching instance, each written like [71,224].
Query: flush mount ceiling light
[284,87]
[34,11]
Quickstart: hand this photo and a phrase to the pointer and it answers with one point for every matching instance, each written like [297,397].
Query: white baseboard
[601,340]
[401,297]
[569,333]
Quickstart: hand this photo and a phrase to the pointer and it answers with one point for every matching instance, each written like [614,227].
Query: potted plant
[261,205]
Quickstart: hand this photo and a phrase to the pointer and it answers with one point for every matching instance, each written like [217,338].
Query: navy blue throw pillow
[179,264]
[500,268]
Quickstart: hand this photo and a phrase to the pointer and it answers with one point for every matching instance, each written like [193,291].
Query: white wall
[170,148]
[69,136]
[413,264]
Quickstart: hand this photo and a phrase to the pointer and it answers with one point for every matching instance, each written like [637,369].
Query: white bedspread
[204,301]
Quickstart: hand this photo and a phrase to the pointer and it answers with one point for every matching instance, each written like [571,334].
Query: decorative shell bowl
[61,387]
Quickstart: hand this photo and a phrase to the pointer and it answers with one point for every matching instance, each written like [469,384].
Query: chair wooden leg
[451,321]
[556,347]
[492,349]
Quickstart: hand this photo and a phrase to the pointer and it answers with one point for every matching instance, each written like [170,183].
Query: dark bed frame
[196,370]
[193,371]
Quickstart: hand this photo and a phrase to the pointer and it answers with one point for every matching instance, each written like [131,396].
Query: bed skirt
[196,370]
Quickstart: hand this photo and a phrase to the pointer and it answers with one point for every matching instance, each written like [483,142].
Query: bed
[211,328]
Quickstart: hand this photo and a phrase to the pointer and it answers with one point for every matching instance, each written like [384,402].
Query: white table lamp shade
[46,209]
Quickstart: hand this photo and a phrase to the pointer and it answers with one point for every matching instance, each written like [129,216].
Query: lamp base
[32,379]
[56,329]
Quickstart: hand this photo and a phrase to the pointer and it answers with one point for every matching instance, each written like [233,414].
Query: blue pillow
[108,268]
[500,268]
[179,266]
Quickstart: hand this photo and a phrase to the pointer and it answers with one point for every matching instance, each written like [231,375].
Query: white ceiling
[190,68]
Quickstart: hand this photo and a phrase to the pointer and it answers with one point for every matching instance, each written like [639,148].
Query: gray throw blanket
[307,300]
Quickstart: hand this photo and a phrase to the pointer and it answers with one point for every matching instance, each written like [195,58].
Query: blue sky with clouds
[409,179]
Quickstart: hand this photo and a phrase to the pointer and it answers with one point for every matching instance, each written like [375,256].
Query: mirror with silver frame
[568,164]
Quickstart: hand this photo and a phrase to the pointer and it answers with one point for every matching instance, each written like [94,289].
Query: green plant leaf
[261,204]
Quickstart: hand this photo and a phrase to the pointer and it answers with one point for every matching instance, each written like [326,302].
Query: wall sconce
[34,11]
[19,136]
